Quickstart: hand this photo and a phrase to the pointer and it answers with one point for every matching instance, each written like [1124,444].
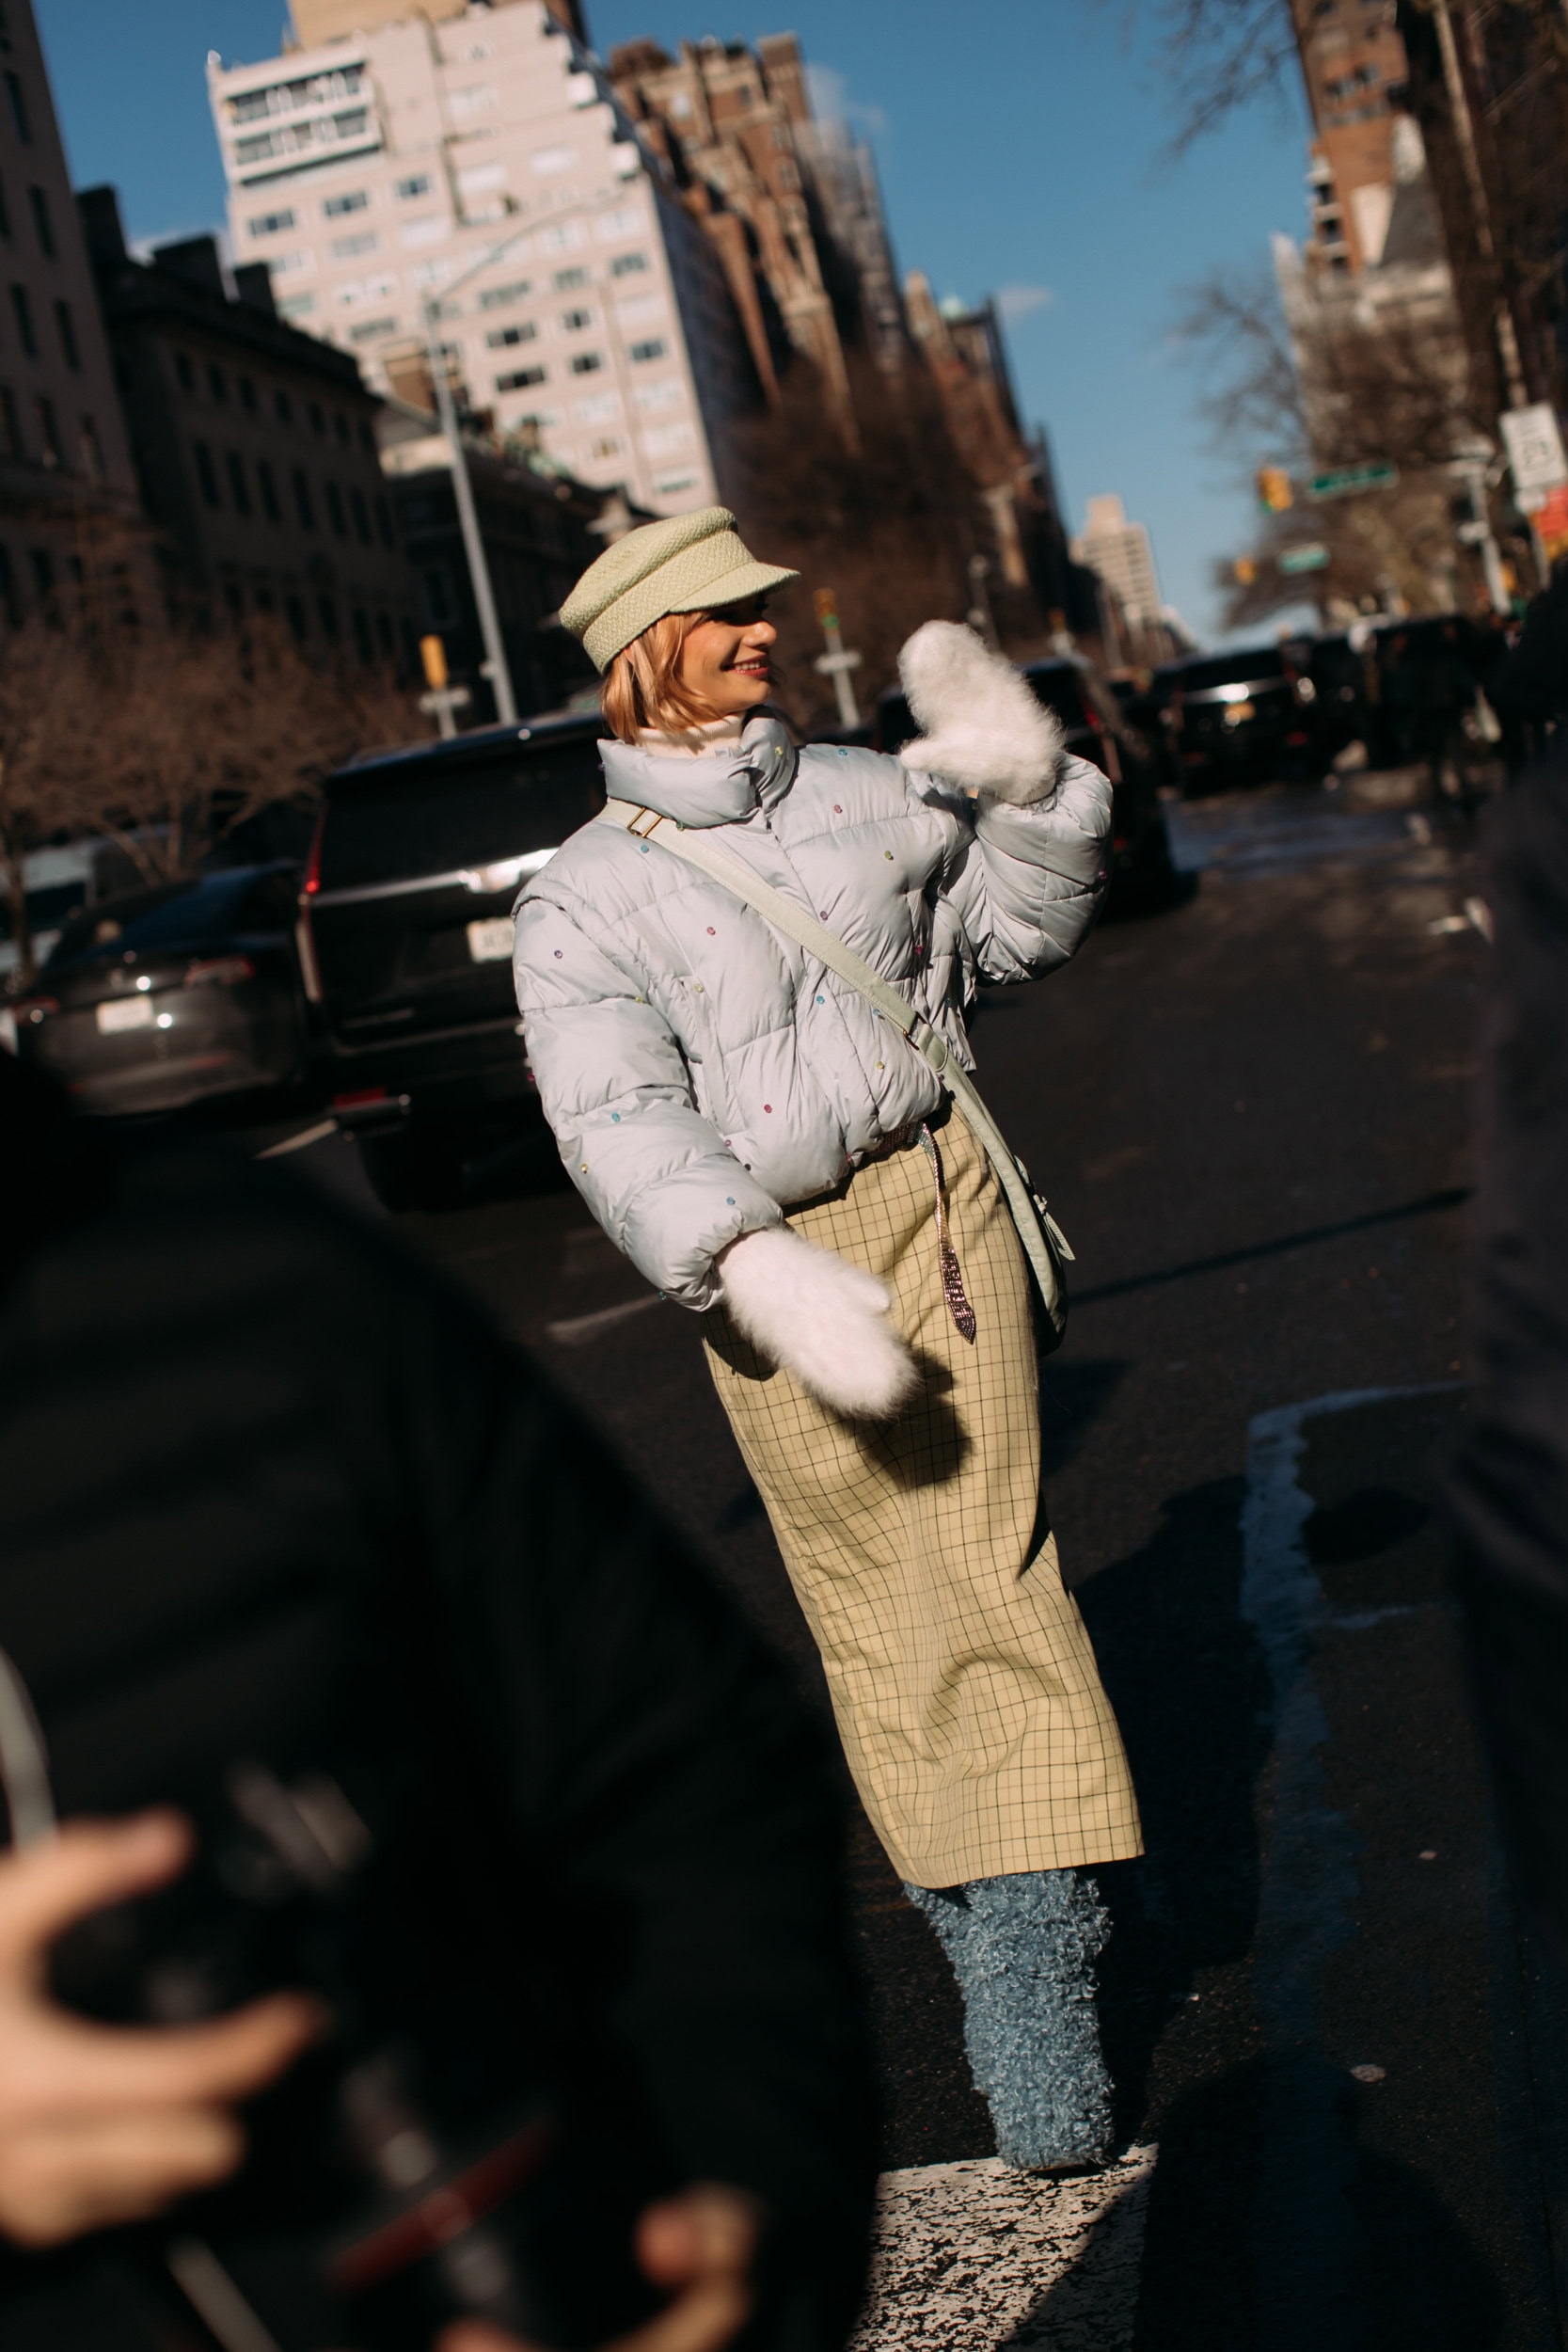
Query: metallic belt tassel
[948,1257]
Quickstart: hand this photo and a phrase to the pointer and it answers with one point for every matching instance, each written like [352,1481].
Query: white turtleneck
[714,735]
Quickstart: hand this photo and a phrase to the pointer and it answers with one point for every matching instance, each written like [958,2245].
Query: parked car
[56,882]
[1239,717]
[404,938]
[168,996]
[1094,728]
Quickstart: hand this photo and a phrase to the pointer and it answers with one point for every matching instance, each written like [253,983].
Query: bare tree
[1215,57]
[48,694]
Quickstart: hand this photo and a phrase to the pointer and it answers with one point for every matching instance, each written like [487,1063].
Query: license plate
[124,1012]
[490,939]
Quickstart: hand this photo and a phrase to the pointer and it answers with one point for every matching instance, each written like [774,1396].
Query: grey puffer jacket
[699,1070]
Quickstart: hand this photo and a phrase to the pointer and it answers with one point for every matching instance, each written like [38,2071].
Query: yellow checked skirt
[962,1674]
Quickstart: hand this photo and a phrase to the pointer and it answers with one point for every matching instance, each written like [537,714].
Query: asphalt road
[1250,1113]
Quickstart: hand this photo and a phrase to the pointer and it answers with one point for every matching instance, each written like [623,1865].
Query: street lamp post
[496,666]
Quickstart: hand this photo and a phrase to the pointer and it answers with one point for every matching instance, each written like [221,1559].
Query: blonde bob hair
[642,686]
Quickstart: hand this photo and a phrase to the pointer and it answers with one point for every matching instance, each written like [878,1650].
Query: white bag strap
[1028,1211]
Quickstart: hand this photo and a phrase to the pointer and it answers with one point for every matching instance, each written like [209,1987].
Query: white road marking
[577,1329]
[299,1143]
[970,2257]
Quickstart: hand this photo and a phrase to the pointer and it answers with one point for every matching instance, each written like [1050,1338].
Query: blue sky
[1021,145]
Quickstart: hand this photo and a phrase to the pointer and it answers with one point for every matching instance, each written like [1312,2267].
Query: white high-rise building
[1119,552]
[380,167]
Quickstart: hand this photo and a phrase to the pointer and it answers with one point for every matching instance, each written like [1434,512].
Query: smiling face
[726,660]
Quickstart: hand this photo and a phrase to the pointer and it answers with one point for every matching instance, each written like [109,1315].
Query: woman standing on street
[772,1153]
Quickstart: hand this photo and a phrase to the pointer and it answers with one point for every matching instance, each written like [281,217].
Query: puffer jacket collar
[718,788]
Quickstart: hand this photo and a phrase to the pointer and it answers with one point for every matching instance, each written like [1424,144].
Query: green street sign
[1378,473]
[1309,558]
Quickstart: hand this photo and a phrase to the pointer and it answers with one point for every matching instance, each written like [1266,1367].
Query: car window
[395,823]
[1233,669]
[182,914]
[1061,690]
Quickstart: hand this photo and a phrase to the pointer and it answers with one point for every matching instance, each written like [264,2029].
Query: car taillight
[34,1007]
[313,862]
[218,971]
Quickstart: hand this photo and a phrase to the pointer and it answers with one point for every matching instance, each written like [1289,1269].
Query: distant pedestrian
[772,1153]
[1532,684]
[1440,694]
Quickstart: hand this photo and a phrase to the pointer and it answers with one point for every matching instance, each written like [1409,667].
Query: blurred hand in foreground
[699,2245]
[101,2124]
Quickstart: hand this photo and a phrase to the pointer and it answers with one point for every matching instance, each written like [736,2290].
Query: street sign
[1535,452]
[1378,473]
[1310,557]
[441,701]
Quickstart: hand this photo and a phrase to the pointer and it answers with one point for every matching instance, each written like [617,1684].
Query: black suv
[406,938]
[1246,716]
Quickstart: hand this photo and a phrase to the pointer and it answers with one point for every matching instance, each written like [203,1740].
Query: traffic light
[1275,493]
[825,604]
[1246,570]
[432,653]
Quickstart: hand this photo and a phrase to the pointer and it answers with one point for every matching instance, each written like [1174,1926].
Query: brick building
[62,446]
[254,447]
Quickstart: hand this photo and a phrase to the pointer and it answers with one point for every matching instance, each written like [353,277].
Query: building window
[66,326]
[499,337]
[587,363]
[185,374]
[49,431]
[566,279]
[520,379]
[339,427]
[22,309]
[336,206]
[500,297]
[233,597]
[217,383]
[357,508]
[92,448]
[318,420]
[574,321]
[383,524]
[418,184]
[362,644]
[284,406]
[239,489]
[17,102]
[368,330]
[304,506]
[438,593]
[270,224]
[267,482]
[335,516]
[43,573]
[628,264]
[384,635]
[609,447]
[326,611]
[347,248]
[11,603]
[652,349]
[43,228]
[11,423]
[367,438]
[248,393]
[295,612]
[205,473]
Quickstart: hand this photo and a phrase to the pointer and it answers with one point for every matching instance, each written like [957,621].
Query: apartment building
[62,447]
[481,159]
[255,449]
[791,204]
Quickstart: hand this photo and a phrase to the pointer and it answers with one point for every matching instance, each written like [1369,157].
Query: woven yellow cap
[687,564]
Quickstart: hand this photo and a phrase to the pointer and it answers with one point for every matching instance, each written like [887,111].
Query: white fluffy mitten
[983,726]
[822,1319]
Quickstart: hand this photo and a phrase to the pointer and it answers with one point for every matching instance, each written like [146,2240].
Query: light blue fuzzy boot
[1023,1949]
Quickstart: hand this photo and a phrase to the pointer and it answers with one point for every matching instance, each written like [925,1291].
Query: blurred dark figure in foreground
[1532,690]
[1511,1485]
[292,1541]
[1439,688]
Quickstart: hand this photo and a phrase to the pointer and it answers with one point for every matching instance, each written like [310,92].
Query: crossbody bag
[1045,1244]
